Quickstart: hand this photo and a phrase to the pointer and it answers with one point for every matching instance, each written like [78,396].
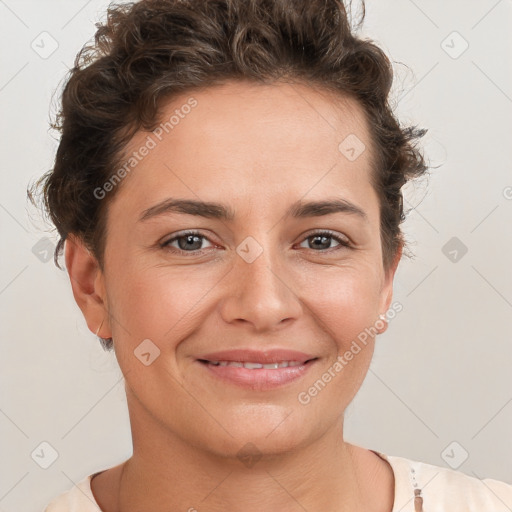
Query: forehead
[244,139]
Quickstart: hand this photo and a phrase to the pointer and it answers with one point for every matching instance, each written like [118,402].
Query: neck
[166,473]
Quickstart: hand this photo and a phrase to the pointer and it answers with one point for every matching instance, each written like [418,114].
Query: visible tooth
[252,366]
[255,366]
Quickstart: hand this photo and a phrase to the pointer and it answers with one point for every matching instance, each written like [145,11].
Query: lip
[258,356]
[259,379]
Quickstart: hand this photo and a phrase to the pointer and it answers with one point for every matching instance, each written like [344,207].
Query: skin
[258,149]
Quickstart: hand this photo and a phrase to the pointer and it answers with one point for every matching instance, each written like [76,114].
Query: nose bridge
[265,273]
[261,293]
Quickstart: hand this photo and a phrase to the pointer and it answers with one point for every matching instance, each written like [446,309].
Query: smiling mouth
[258,376]
[256,366]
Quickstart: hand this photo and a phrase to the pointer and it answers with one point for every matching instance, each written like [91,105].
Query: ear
[387,286]
[88,285]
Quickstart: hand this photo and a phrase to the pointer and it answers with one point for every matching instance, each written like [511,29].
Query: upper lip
[257,356]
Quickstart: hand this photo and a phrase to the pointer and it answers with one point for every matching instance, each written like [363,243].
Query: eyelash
[343,244]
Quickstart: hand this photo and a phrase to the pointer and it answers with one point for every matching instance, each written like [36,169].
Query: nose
[261,294]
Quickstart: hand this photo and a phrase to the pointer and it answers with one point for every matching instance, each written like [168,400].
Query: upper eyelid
[185,233]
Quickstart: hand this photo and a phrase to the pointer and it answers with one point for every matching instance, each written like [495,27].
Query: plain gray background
[440,386]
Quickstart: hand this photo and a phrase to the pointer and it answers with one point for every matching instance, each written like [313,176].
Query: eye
[321,239]
[189,241]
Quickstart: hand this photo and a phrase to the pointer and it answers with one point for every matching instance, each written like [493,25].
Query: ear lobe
[87,283]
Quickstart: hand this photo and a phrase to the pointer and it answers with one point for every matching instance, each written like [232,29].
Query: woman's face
[260,278]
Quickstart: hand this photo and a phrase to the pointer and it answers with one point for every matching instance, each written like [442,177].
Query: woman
[227,190]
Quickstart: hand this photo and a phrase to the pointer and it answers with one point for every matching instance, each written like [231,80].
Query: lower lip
[259,379]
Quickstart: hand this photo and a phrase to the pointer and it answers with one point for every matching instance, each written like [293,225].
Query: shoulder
[446,487]
[78,498]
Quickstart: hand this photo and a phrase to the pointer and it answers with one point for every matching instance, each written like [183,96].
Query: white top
[441,489]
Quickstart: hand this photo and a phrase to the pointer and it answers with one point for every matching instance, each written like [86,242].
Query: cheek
[345,312]
[157,303]
[345,303]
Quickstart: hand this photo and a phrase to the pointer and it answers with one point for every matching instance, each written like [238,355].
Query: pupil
[190,240]
[322,238]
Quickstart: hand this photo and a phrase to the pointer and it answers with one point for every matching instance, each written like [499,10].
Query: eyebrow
[212,210]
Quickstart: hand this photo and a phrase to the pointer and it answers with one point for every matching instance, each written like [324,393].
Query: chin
[253,438]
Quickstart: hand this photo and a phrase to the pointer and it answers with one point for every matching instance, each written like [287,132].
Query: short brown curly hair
[146,52]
